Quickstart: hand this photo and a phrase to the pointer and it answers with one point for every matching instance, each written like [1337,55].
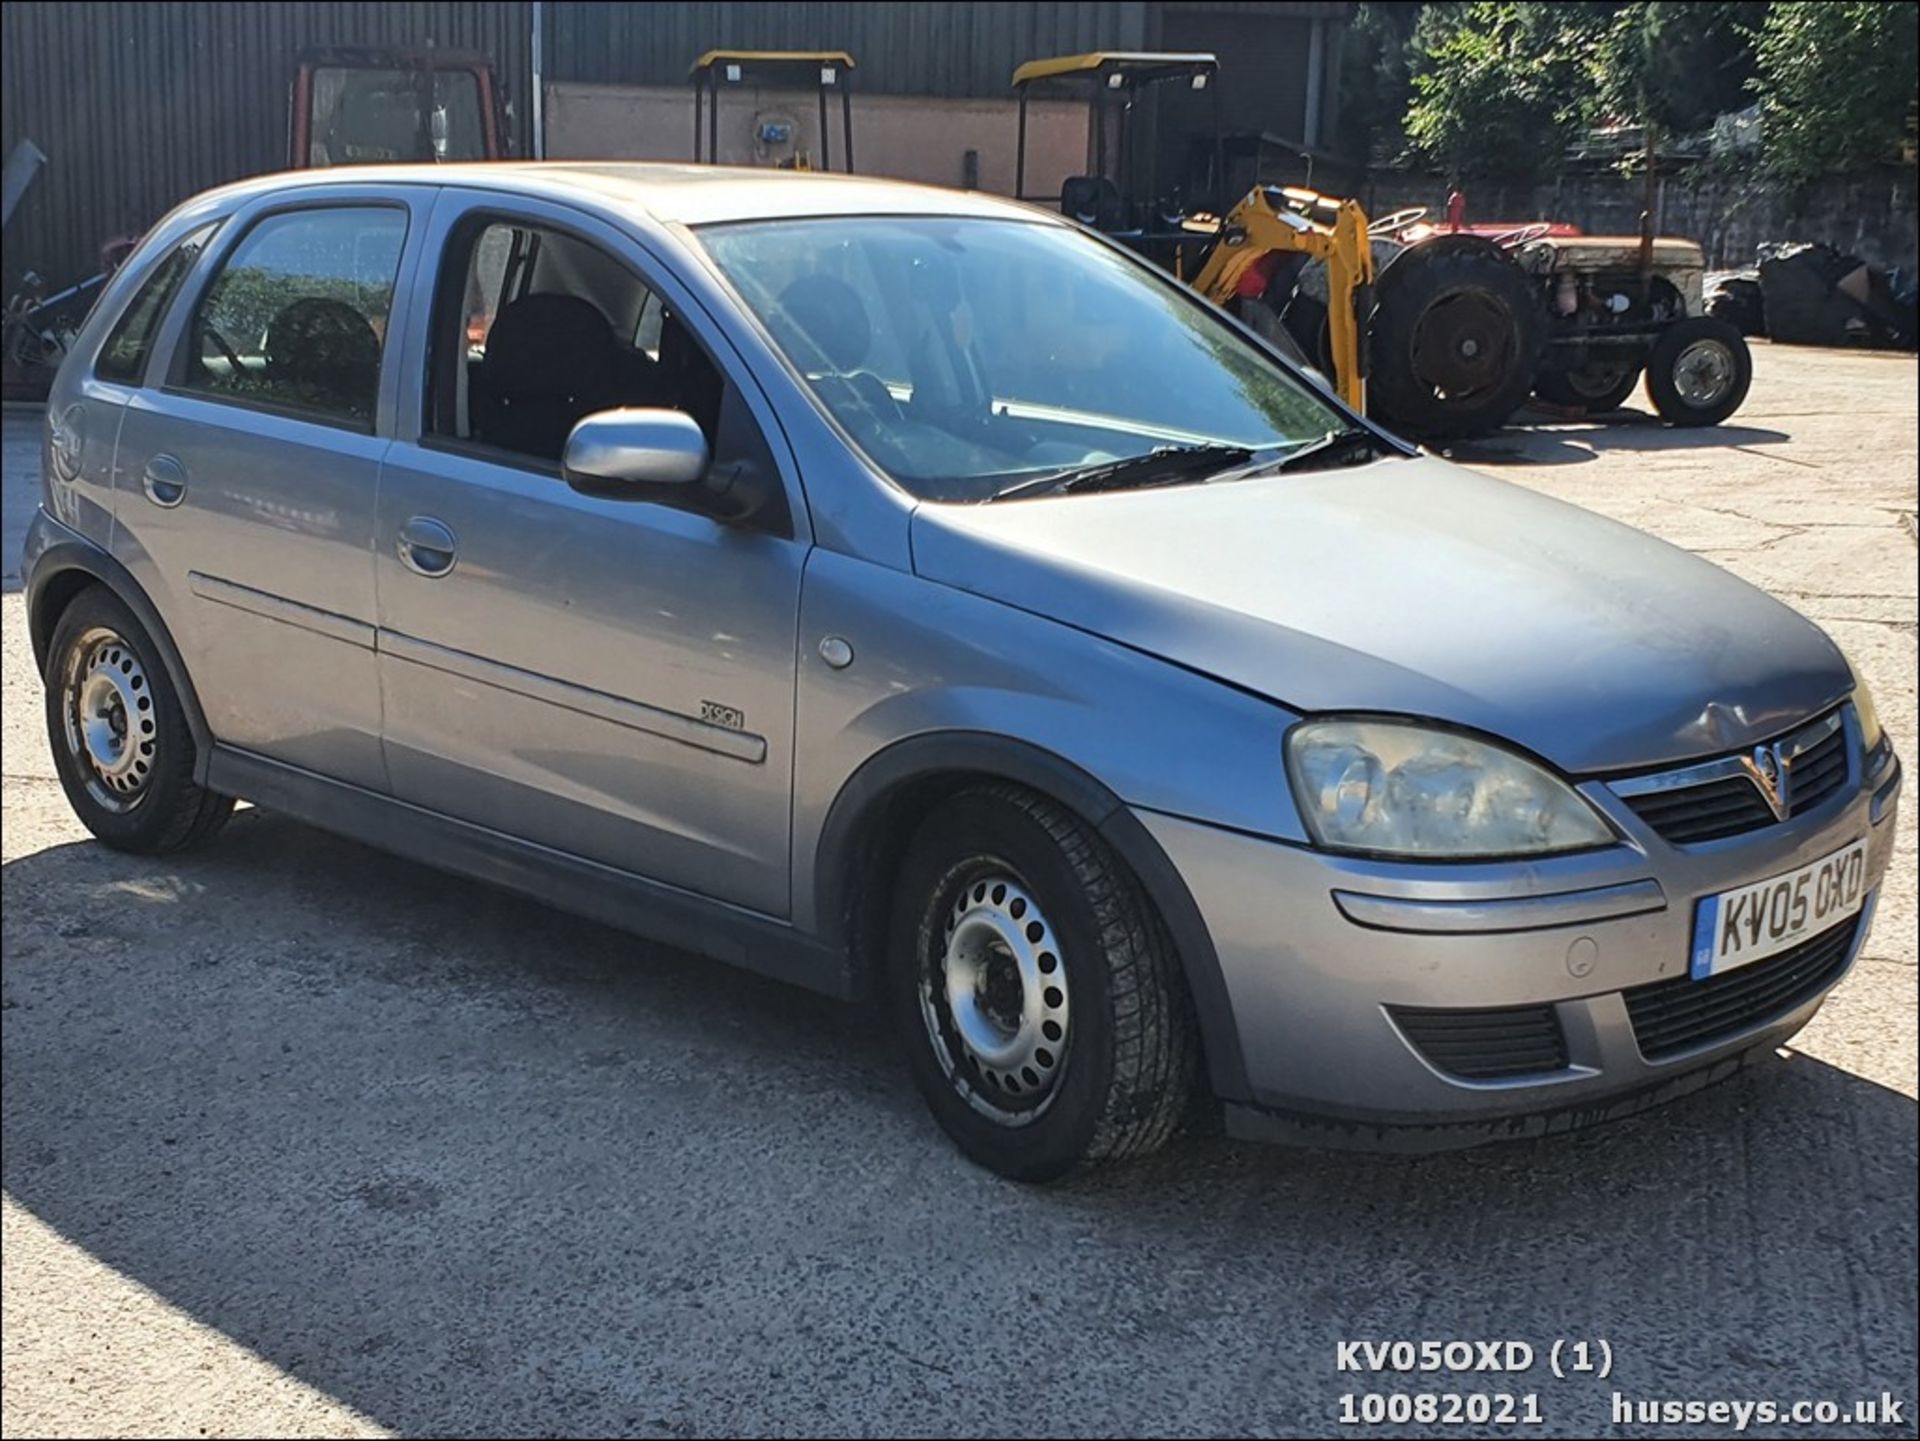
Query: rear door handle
[426,547]
[165,481]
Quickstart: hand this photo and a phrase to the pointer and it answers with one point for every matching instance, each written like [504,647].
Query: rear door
[246,478]
[91,393]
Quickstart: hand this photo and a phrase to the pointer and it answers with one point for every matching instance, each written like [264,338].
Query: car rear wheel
[1037,993]
[121,744]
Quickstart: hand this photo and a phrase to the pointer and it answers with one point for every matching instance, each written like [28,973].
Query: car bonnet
[1412,587]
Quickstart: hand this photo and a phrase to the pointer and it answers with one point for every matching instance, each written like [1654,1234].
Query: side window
[536,328]
[124,356]
[297,315]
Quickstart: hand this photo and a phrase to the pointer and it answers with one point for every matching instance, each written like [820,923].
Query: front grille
[1679,1014]
[1486,1045]
[1725,801]
[1707,812]
[1819,771]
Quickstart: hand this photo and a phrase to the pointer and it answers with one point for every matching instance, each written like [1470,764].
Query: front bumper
[1319,954]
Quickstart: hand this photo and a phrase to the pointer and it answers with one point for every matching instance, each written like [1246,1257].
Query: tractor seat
[1092,200]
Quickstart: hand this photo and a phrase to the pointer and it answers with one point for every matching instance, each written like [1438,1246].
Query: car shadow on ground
[472,1166]
[1542,438]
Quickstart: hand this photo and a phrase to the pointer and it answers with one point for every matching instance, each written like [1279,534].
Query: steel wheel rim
[1703,373]
[111,730]
[993,994]
[1460,345]
[1589,381]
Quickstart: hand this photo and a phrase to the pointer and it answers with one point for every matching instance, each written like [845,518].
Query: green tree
[1836,83]
[1500,88]
[1374,83]
[1676,64]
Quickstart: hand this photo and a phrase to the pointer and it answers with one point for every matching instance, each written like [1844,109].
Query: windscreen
[375,116]
[964,354]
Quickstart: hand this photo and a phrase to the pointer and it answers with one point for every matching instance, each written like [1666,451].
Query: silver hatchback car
[903,591]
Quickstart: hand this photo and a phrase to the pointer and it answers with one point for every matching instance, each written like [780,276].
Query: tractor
[1440,331]
[379,106]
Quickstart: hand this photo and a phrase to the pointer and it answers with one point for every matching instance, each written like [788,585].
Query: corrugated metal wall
[900,49]
[140,105]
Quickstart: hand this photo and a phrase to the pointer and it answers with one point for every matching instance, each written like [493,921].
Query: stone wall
[1871,215]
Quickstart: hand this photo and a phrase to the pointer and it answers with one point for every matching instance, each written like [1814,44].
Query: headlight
[1872,734]
[1397,788]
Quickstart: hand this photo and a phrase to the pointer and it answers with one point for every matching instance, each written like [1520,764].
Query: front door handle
[426,547]
[165,481]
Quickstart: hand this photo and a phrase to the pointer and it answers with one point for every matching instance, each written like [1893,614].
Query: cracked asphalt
[301,1140]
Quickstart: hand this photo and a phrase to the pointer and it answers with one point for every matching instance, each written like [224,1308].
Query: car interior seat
[830,315]
[550,360]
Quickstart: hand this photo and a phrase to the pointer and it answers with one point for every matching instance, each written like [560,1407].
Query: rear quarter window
[124,356]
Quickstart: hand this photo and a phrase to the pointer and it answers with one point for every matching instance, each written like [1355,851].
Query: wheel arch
[868,823]
[60,573]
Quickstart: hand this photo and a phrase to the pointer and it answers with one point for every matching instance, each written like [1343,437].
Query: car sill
[663,913]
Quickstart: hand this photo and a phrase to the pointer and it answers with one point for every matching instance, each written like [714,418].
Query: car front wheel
[121,744]
[1039,997]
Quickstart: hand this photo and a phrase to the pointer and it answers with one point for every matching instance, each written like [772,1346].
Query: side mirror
[662,456]
[635,454]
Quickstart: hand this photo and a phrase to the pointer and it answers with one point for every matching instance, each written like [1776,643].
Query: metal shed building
[138,104]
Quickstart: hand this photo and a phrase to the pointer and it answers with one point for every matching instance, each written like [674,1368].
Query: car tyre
[1038,994]
[1699,371]
[121,744]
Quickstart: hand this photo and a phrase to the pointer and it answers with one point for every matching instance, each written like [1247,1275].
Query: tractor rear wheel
[1456,338]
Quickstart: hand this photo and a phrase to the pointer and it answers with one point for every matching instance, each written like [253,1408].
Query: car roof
[669,193]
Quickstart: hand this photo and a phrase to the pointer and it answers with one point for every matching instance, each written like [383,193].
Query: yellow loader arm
[1264,222]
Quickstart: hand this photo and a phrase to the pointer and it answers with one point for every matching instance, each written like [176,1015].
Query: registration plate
[1737,928]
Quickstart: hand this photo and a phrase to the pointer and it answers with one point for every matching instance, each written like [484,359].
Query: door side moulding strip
[275,607]
[662,913]
[671,725]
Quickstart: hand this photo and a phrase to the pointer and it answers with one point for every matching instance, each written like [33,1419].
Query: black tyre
[1594,388]
[1699,371]
[120,742]
[1035,989]
[1258,315]
[1456,338]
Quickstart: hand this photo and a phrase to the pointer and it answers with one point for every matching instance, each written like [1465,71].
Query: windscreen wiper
[1163,466]
[1336,447]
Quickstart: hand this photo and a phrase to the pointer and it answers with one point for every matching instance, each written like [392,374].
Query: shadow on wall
[470,1166]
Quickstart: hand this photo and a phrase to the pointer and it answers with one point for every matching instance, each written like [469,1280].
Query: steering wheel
[1398,220]
[232,355]
[1524,235]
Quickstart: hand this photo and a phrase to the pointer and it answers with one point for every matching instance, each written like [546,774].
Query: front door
[245,481]
[607,678]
